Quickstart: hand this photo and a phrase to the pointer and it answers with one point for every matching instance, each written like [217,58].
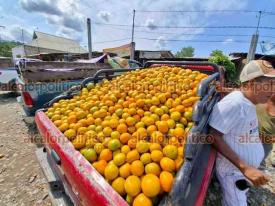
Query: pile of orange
[133,128]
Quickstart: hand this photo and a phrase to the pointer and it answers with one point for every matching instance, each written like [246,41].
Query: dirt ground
[22,181]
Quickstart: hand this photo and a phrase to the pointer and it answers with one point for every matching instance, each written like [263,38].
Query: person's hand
[254,175]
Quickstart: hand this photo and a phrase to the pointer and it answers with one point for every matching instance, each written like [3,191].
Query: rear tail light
[27,99]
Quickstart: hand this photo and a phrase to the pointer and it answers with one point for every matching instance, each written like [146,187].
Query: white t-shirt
[235,116]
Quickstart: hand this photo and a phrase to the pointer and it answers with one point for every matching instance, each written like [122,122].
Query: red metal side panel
[89,186]
[206,178]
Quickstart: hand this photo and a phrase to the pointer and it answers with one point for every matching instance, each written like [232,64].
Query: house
[47,43]
[240,59]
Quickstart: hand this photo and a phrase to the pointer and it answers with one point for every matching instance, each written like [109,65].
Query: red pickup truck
[85,186]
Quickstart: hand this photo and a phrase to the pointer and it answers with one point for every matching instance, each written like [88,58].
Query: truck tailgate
[88,185]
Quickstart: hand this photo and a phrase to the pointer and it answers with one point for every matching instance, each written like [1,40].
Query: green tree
[185,52]
[219,58]
[216,52]
[6,46]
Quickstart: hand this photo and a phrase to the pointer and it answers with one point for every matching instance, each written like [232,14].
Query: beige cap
[257,68]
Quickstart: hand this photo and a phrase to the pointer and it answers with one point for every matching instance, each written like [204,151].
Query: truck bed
[85,186]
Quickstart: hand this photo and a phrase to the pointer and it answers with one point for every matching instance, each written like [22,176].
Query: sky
[112,20]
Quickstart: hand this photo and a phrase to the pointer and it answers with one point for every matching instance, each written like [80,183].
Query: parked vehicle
[39,81]
[85,186]
[8,75]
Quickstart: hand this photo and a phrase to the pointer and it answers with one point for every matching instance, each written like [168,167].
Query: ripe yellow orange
[70,133]
[175,116]
[132,156]
[145,158]
[156,155]
[130,121]
[157,137]
[82,130]
[142,200]
[79,142]
[139,125]
[72,119]
[107,131]
[188,115]
[106,155]
[151,129]
[98,147]
[163,126]
[148,120]
[115,135]
[155,146]
[159,111]
[100,166]
[119,159]
[111,172]
[152,168]
[166,181]
[178,132]
[142,146]
[150,185]
[171,123]
[165,117]
[118,185]
[170,151]
[167,164]
[137,168]
[132,185]
[114,144]
[89,120]
[142,133]
[125,170]
[63,127]
[124,137]
[125,149]
[122,128]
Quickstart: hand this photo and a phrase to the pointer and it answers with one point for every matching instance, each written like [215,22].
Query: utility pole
[22,34]
[254,41]
[132,55]
[89,37]
[23,41]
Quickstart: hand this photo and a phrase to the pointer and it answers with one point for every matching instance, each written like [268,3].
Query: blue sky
[68,18]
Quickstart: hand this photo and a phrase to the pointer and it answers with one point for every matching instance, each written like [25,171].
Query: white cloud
[57,12]
[14,33]
[160,43]
[68,17]
[41,6]
[104,15]
[229,40]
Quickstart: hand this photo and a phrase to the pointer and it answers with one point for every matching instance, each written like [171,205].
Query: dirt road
[21,179]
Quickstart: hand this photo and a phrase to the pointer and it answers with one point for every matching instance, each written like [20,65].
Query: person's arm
[251,173]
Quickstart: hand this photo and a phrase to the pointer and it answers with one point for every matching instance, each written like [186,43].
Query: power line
[206,11]
[191,27]
[100,42]
[196,11]
[189,34]
[198,41]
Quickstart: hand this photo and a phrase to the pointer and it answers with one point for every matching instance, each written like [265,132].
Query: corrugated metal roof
[48,41]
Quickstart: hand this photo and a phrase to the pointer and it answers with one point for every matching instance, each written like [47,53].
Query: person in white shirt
[234,128]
